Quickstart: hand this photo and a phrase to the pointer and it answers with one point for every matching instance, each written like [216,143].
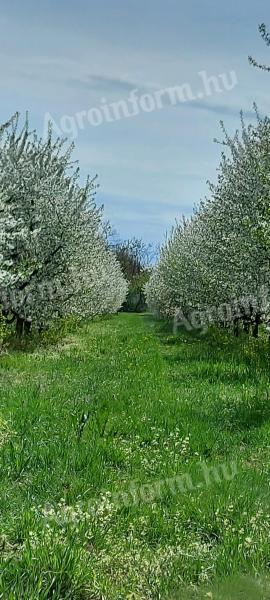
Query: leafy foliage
[3,330]
[135,259]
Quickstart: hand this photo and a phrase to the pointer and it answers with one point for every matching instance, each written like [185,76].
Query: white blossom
[222,253]
[54,258]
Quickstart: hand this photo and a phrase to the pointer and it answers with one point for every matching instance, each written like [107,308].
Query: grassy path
[106,444]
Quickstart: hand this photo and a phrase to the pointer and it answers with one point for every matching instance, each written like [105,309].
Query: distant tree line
[136,259]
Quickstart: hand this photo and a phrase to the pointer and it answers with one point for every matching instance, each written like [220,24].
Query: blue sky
[63,57]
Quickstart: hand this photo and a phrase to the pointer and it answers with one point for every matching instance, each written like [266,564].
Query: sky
[60,59]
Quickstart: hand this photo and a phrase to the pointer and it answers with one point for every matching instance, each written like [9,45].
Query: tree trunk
[246,326]
[236,327]
[19,327]
[27,327]
[255,331]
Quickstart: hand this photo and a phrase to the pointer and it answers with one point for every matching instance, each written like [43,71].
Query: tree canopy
[54,257]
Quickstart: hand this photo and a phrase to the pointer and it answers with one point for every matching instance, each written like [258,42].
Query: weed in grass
[121,401]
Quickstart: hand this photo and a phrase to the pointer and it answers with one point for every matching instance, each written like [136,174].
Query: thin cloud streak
[103,84]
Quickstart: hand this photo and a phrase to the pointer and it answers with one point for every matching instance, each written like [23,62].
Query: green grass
[122,405]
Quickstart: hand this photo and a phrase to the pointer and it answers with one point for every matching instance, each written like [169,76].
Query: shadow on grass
[49,338]
[248,356]
[237,587]
[232,374]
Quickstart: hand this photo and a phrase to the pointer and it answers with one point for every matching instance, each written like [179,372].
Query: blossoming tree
[220,256]
[54,258]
